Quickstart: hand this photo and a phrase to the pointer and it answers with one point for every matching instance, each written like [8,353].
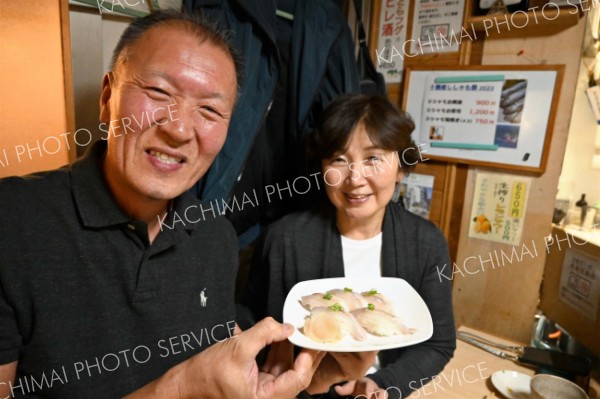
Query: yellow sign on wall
[499,207]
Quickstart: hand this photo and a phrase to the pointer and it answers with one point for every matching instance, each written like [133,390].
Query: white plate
[512,384]
[408,304]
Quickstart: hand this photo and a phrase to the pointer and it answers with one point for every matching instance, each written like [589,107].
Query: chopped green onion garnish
[371,306]
[372,292]
[327,296]
[336,307]
[348,289]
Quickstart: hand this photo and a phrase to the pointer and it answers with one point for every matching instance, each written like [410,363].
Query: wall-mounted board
[485,115]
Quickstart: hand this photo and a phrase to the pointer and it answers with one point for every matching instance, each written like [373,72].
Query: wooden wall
[33,91]
[503,301]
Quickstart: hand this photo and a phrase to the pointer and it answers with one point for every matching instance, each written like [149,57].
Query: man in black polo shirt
[97,298]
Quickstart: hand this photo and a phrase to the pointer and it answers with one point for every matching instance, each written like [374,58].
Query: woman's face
[360,182]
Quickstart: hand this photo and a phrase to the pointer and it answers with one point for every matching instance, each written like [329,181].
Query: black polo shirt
[88,307]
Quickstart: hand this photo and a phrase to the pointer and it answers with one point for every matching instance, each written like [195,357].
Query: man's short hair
[193,22]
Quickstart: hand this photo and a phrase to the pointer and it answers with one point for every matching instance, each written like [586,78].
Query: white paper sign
[517,103]
[580,283]
[392,39]
[593,95]
[461,110]
[437,26]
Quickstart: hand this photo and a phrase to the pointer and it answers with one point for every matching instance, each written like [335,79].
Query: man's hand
[337,367]
[364,388]
[229,369]
[8,374]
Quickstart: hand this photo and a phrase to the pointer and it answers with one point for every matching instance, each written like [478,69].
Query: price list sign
[485,115]
[461,111]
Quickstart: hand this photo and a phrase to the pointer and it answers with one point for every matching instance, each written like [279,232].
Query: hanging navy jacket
[319,65]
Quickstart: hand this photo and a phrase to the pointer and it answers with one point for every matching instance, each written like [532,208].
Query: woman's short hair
[387,126]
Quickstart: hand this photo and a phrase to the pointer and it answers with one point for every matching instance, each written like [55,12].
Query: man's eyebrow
[171,81]
[216,95]
[159,74]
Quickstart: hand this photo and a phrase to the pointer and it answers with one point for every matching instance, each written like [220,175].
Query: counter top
[591,235]
[467,375]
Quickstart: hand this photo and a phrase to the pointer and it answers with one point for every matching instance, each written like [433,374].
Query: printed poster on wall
[391,39]
[580,283]
[437,26]
[466,103]
[485,114]
[499,206]
[416,191]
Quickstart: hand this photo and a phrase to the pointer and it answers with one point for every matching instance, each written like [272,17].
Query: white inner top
[362,258]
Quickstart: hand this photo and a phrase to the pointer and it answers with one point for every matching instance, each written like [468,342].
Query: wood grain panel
[503,300]
[435,211]
[32,93]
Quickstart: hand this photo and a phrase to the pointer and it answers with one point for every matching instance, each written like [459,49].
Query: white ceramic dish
[409,307]
[512,384]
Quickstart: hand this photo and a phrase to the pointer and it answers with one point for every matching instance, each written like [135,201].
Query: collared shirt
[88,307]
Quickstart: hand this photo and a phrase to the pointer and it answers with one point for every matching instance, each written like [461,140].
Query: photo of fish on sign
[510,112]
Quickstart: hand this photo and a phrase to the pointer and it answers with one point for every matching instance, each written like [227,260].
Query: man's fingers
[355,361]
[358,356]
[291,382]
[265,332]
[237,330]
[346,389]
[365,356]
[372,389]
[279,359]
[308,361]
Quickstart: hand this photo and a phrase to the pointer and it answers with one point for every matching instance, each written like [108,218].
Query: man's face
[170,104]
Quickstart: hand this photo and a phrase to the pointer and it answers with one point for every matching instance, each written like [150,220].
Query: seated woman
[364,148]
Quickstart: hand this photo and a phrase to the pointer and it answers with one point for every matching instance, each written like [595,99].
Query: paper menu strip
[461,79]
[465,146]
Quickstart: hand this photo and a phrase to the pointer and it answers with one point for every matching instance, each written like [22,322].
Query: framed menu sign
[485,115]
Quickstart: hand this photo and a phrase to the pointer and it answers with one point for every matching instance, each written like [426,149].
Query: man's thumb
[345,389]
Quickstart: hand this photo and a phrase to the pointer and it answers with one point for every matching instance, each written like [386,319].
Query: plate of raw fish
[348,314]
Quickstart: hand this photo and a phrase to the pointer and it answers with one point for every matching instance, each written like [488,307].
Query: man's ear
[105,95]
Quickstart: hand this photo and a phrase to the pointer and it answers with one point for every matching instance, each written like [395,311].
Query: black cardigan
[307,245]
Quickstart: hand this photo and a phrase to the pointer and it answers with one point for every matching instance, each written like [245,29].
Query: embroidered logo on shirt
[203,298]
